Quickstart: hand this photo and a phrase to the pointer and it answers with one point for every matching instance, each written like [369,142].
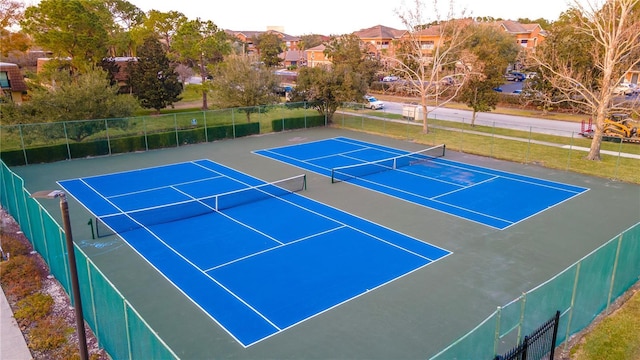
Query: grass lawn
[616,337]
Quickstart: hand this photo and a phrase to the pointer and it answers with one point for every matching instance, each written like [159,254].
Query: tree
[68,29]
[348,50]
[544,23]
[163,25]
[200,43]
[11,12]
[239,82]
[327,87]
[120,18]
[347,80]
[270,47]
[152,78]
[422,63]
[309,41]
[88,96]
[491,50]
[588,54]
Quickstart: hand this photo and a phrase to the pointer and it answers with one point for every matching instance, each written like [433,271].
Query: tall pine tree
[152,77]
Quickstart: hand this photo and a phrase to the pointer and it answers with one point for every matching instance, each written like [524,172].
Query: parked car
[497,89]
[451,80]
[373,103]
[515,76]
[623,89]
[390,78]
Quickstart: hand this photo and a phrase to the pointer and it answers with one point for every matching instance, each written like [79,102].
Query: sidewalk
[12,343]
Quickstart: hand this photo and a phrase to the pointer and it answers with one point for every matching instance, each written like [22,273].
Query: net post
[304,182]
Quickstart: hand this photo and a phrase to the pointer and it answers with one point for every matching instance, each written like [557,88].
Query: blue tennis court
[257,257]
[494,198]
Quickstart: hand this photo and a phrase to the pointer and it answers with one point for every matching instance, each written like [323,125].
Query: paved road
[544,126]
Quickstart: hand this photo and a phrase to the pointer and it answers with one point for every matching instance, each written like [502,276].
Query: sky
[336,17]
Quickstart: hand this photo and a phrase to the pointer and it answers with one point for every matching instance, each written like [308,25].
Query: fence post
[613,272]
[96,327]
[462,135]
[573,300]
[615,174]
[282,113]
[175,127]
[24,149]
[66,138]
[521,321]
[106,127]
[554,338]
[570,150]
[44,236]
[146,139]
[525,346]
[496,338]
[493,138]
[126,322]
[526,160]
[233,122]
[206,135]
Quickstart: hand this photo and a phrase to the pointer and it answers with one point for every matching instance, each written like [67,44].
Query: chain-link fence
[553,148]
[120,330]
[580,292]
[24,144]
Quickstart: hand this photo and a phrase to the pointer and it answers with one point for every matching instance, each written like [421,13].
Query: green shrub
[48,334]
[11,245]
[33,307]
[20,276]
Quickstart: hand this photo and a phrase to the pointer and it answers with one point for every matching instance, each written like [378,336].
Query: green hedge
[52,153]
[297,123]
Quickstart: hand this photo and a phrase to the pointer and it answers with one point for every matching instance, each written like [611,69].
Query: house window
[426,45]
[4,80]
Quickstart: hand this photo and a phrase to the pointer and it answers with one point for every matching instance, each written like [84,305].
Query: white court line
[164,187]
[274,248]
[278,330]
[188,262]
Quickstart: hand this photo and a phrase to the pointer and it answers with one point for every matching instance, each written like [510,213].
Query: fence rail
[581,291]
[24,144]
[119,328]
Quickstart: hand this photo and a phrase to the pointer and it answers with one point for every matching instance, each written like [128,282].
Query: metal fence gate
[538,345]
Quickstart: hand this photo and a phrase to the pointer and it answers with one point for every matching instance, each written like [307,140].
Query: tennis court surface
[257,257]
[494,198]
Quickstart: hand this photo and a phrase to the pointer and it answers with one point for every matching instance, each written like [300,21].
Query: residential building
[12,82]
[633,76]
[293,58]
[380,40]
[247,37]
[316,56]
[526,35]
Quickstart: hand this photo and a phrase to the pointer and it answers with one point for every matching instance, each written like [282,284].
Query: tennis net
[344,173]
[139,218]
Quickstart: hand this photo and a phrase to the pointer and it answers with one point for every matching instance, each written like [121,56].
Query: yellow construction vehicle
[620,125]
[617,127]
